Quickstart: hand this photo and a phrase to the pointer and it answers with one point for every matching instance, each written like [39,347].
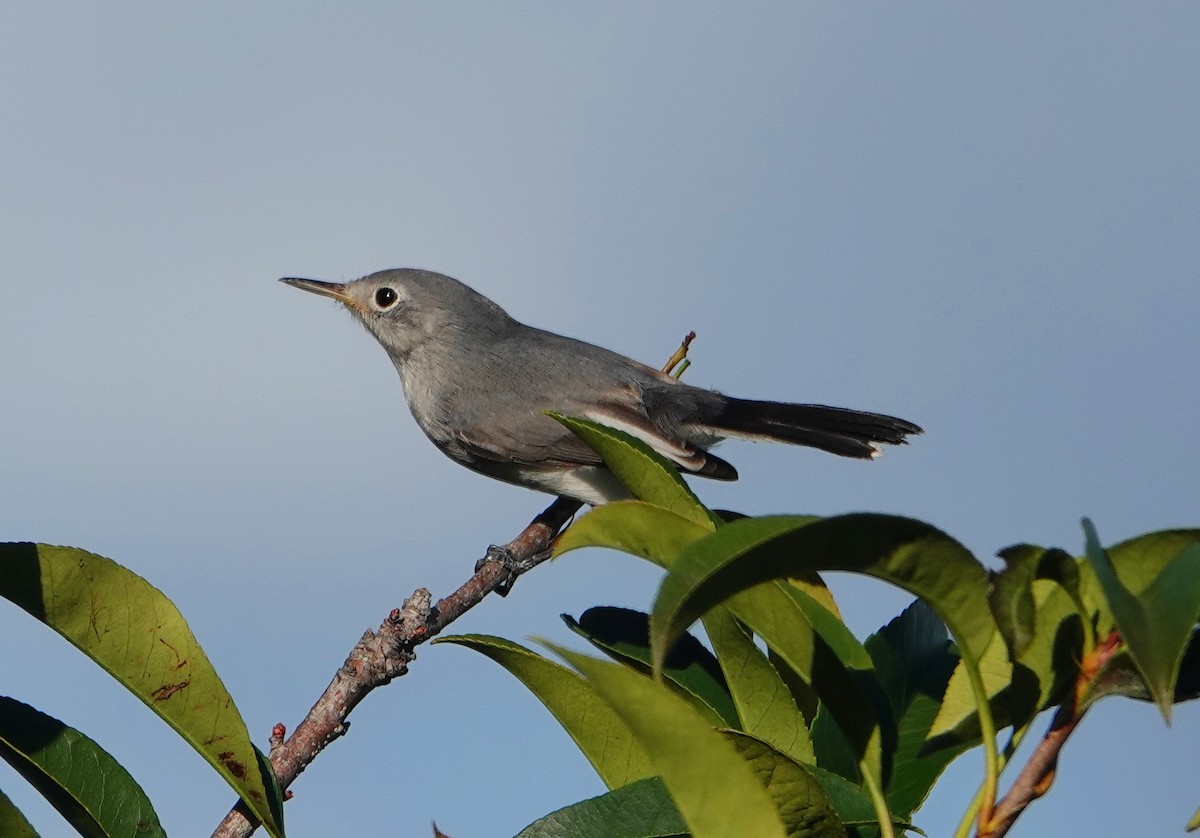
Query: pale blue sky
[983,219]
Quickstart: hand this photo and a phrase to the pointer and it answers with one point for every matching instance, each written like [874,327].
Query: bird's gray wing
[533,438]
[527,438]
[541,371]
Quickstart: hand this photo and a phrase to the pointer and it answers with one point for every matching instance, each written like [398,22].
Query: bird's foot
[512,564]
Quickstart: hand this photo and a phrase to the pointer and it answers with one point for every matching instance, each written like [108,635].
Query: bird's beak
[326,289]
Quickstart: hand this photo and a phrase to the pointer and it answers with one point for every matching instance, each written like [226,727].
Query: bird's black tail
[850,433]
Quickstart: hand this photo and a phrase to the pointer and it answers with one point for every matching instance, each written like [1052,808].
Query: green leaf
[645,473]
[717,793]
[853,805]
[624,635]
[798,794]
[1157,624]
[834,750]
[601,734]
[138,636]
[845,680]
[642,809]
[76,776]
[764,703]
[1045,671]
[1187,687]
[786,620]
[903,551]
[803,694]
[1137,562]
[771,610]
[634,527]
[1011,596]
[1049,666]
[13,824]
[907,553]
[957,717]
[914,662]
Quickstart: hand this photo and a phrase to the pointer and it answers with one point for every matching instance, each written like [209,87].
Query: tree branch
[1038,773]
[383,655]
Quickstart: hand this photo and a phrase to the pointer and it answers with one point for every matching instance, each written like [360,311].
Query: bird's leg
[555,518]
[512,564]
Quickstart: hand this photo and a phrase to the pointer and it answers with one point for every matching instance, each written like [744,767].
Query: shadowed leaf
[624,635]
[790,623]
[1011,596]
[76,776]
[798,794]
[914,662]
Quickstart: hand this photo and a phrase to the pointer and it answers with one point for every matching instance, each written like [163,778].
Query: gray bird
[478,383]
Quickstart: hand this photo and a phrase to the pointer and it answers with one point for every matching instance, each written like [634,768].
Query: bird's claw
[512,564]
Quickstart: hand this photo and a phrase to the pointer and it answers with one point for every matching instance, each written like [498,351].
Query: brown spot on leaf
[180,661]
[236,768]
[167,690]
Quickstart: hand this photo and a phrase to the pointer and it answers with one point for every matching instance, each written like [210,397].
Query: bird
[480,385]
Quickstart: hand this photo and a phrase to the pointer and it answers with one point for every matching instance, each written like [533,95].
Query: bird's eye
[385,298]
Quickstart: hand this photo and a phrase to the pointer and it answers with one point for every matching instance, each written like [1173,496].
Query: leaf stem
[882,813]
[987,730]
[969,816]
[680,356]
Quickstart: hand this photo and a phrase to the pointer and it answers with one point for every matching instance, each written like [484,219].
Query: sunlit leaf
[905,552]
[787,620]
[715,790]
[956,720]
[13,824]
[765,705]
[1045,671]
[773,610]
[138,636]
[642,809]
[634,527]
[1157,623]
[647,474]
[1137,561]
[600,733]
